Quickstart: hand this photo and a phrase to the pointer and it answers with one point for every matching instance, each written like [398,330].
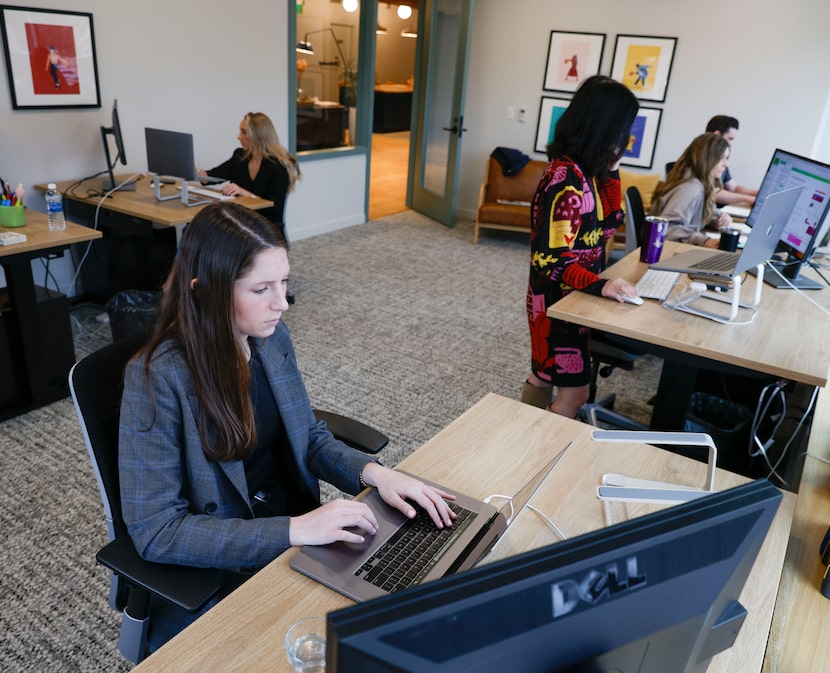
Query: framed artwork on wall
[50,57]
[550,110]
[643,138]
[644,64]
[572,58]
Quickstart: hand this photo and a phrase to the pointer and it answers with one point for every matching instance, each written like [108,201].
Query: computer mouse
[638,301]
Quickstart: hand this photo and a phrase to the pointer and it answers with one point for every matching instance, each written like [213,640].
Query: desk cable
[775,391]
[540,513]
[101,201]
[799,290]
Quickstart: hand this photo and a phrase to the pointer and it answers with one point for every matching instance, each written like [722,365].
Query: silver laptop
[760,244]
[385,562]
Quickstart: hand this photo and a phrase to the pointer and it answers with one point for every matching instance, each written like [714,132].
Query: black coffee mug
[729,240]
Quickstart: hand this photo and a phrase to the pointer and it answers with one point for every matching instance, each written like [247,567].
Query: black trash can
[132,312]
[727,422]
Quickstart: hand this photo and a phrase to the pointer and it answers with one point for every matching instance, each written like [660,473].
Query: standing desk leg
[677,383]
[25,311]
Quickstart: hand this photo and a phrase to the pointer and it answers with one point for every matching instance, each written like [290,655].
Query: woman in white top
[687,197]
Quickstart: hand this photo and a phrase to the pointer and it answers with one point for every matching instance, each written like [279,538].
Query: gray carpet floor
[400,322]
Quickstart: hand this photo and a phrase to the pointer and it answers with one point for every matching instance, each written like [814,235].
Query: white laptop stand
[184,193]
[619,488]
[733,298]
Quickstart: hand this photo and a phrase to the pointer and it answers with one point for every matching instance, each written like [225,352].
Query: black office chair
[607,352]
[635,216]
[96,384]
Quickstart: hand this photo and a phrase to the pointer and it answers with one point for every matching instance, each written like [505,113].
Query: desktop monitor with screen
[114,130]
[804,228]
[170,156]
[656,594]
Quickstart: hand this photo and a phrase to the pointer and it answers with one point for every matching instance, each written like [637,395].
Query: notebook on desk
[760,244]
[383,563]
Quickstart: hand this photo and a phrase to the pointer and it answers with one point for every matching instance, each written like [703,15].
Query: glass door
[440,81]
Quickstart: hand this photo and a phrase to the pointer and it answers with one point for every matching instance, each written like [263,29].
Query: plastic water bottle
[54,208]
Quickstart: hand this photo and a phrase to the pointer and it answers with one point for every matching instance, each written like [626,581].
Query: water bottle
[54,208]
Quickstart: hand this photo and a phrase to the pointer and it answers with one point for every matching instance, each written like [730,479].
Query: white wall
[764,63]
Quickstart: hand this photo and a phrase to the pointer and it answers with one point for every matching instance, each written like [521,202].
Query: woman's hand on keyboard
[233,189]
[333,522]
[615,289]
[400,490]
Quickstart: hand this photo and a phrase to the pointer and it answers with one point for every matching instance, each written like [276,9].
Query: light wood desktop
[798,639]
[141,202]
[24,319]
[495,447]
[787,338]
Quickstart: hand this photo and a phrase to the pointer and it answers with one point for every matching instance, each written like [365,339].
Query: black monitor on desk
[170,156]
[805,227]
[655,594]
[109,183]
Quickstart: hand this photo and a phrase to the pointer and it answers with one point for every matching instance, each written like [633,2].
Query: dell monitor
[114,130]
[804,228]
[655,594]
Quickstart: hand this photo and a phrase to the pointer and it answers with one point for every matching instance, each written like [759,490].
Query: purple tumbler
[652,237]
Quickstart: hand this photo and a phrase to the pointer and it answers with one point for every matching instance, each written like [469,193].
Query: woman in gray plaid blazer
[219,450]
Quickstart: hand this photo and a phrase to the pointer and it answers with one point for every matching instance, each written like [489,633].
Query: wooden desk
[141,203]
[786,339]
[798,639]
[495,447]
[141,234]
[42,356]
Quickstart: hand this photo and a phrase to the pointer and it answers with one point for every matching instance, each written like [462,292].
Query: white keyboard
[656,284]
[219,196]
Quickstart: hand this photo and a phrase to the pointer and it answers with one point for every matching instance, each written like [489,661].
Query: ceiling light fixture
[404,11]
[350,5]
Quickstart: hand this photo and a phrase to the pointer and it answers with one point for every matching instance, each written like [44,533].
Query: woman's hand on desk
[616,288]
[398,489]
[233,189]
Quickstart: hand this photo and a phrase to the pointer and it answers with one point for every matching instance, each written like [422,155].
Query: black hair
[721,124]
[594,130]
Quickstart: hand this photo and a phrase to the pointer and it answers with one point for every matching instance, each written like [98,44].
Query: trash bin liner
[725,421]
[132,312]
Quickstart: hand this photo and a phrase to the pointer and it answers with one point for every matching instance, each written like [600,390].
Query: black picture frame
[50,58]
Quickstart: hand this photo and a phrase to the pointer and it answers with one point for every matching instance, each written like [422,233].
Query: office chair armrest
[354,433]
[189,588]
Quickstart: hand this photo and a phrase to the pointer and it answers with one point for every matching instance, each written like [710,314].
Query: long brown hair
[266,143]
[217,248]
[697,161]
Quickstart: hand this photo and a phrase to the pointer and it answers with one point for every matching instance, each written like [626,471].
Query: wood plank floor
[388,173]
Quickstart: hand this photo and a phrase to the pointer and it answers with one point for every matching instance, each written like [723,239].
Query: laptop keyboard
[408,555]
[723,261]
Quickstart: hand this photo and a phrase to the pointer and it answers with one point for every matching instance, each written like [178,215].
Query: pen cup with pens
[11,206]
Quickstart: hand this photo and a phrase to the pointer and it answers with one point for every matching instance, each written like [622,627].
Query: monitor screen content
[654,594]
[804,228]
[170,154]
[114,130]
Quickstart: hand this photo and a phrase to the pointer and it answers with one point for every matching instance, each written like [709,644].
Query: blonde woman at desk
[219,450]
[575,211]
[261,167]
[687,197]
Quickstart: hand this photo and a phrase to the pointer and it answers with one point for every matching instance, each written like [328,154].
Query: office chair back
[635,217]
[96,384]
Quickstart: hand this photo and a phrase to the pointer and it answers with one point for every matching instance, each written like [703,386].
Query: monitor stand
[788,283]
[181,194]
[126,186]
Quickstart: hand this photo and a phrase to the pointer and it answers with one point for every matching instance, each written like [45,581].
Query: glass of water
[305,644]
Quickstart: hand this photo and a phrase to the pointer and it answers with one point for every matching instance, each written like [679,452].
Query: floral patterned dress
[572,218]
